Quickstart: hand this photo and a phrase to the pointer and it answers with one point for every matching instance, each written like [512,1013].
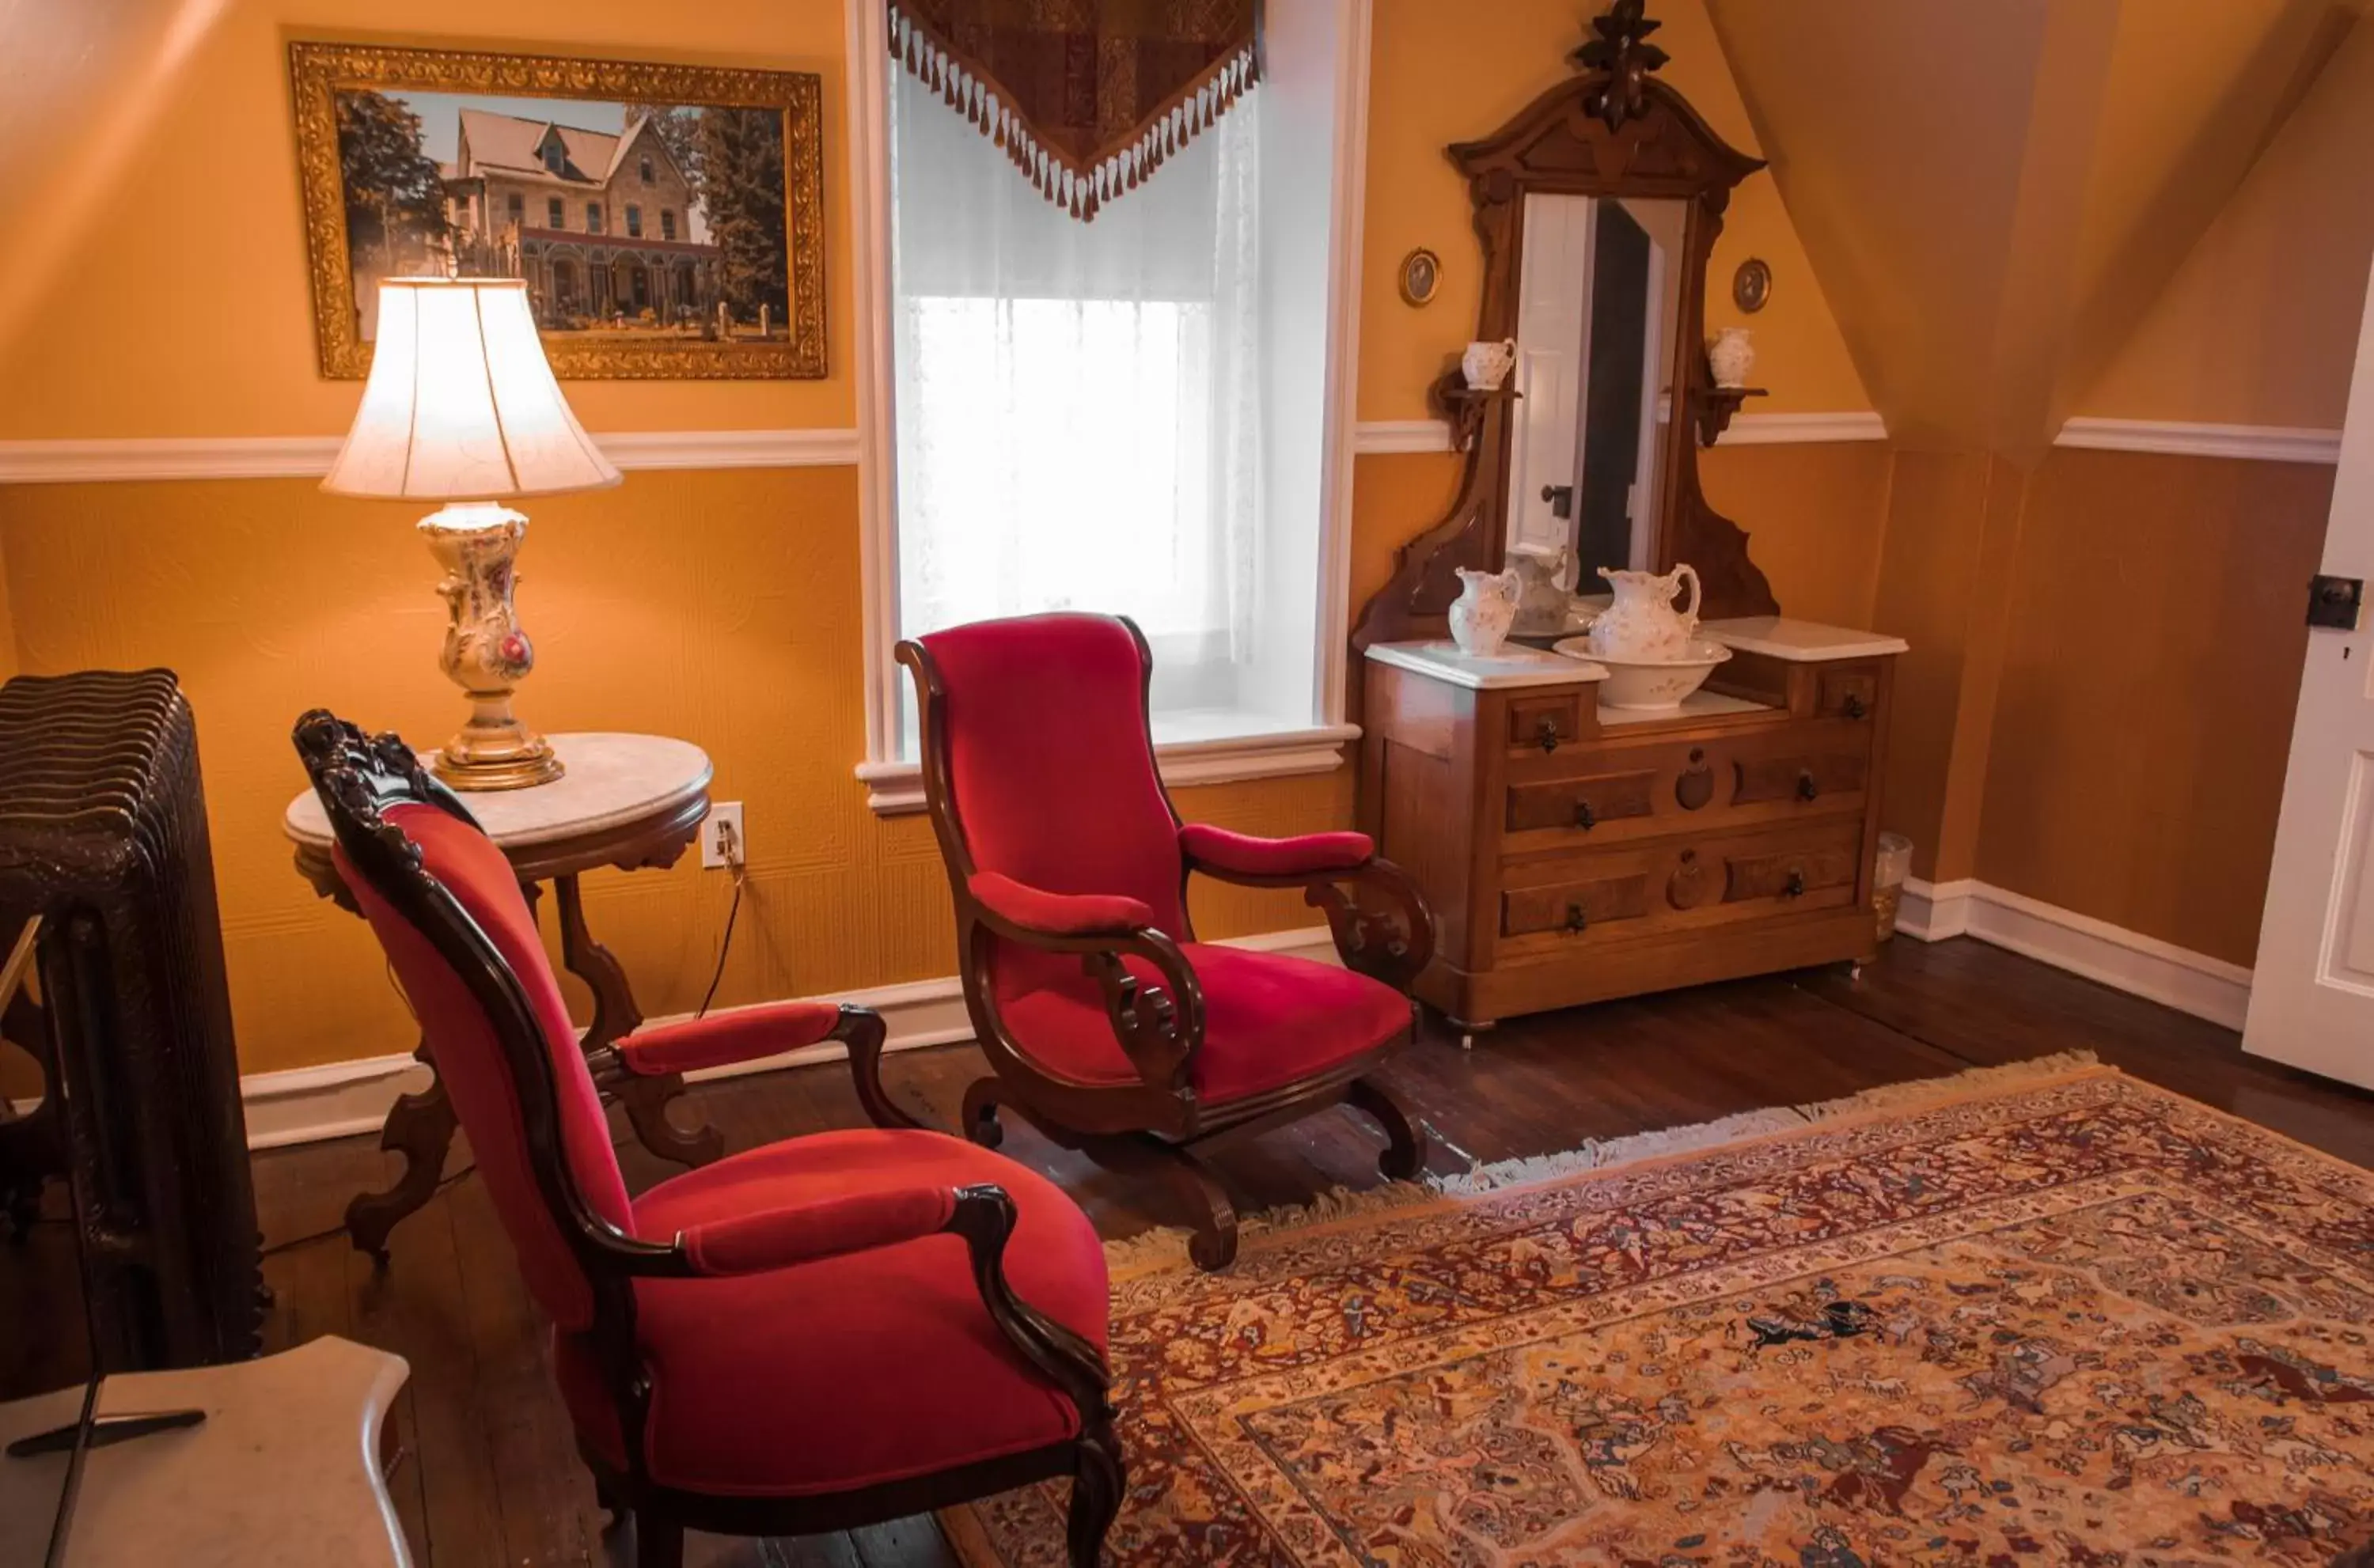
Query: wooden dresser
[1575,853]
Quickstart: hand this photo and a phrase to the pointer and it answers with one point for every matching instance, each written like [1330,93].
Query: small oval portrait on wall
[1751,285]
[1421,273]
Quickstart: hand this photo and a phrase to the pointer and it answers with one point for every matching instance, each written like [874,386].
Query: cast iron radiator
[103,839]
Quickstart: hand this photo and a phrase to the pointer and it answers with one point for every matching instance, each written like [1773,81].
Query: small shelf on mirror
[1711,409]
[1463,406]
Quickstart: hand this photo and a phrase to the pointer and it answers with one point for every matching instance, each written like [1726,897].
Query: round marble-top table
[626,801]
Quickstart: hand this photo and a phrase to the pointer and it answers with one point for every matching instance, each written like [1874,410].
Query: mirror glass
[1598,301]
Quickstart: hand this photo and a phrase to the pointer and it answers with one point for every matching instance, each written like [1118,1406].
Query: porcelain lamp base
[487,650]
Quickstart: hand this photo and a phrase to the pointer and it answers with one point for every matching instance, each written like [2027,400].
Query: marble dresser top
[612,779]
[1799,642]
[1514,665]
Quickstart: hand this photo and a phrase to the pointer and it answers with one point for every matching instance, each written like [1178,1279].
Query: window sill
[895,788]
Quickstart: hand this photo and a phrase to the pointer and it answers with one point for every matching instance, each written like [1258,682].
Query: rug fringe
[1166,1247]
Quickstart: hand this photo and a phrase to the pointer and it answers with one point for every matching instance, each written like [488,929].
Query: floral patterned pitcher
[1480,615]
[1642,623]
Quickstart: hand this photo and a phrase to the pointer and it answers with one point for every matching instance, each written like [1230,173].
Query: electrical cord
[733,911]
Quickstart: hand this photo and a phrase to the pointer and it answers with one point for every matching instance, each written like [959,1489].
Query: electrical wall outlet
[721,844]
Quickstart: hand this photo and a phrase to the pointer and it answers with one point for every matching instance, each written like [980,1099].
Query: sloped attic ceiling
[1993,194]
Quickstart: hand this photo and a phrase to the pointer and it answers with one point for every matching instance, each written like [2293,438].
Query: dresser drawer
[1847,691]
[1613,793]
[1680,884]
[1545,722]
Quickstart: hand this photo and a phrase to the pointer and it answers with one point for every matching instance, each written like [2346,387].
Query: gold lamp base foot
[508,755]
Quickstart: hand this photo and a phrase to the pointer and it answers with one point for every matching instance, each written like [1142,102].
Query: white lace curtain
[1077,403]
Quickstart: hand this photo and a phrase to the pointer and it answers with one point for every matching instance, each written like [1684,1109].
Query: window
[634,221]
[667,223]
[516,204]
[555,157]
[643,168]
[1133,416]
[593,217]
[553,216]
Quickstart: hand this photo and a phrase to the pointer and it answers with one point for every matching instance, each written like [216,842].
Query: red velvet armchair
[821,1333]
[1112,1029]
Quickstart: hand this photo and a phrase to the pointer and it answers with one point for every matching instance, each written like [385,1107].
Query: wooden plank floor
[489,1475]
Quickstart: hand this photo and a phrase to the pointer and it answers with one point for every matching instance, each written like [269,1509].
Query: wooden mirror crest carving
[1613,131]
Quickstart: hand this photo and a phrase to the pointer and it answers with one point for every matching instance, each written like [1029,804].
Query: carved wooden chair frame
[358,778]
[1150,1128]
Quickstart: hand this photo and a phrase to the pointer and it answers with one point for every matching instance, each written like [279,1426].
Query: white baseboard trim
[346,1098]
[1379,437]
[2266,443]
[2128,961]
[309,457]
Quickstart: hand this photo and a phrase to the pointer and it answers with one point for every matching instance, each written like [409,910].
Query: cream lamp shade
[461,409]
[461,403]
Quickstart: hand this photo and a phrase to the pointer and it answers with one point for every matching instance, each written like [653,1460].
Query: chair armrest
[746,1034]
[1035,912]
[1159,1028]
[1221,853]
[982,1215]
[806,1233]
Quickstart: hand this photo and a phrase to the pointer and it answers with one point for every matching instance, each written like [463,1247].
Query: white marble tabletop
[1799,642]
[611,778]
[1514,665]
[283,1472]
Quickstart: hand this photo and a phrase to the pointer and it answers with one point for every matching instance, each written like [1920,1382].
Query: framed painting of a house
[669,219]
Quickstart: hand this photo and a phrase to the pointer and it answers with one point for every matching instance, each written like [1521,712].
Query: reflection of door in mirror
[1596,313]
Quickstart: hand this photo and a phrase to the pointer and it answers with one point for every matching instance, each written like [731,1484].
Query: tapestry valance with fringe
[1086,97]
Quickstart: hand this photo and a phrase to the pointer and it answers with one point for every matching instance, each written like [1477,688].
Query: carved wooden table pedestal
[626,801]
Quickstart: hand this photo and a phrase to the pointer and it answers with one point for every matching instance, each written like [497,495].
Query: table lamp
[462,407]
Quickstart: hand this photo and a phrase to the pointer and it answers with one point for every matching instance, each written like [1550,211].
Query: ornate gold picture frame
[669,219]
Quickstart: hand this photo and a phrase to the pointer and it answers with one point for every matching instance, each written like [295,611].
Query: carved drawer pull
[1853,706]
[1575,919]
[1546,732]
[1695,786]
[1796,886]
[1584,817]
[1806,788]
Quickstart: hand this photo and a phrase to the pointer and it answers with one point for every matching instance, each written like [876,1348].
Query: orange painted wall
[723,607]
[2146,710]
[1443,72]
[2258,325]
[186,311]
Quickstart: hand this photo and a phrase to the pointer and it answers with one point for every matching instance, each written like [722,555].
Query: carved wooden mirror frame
[1612,131]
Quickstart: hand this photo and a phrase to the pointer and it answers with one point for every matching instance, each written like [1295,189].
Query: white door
[2313,992]
[1553,349]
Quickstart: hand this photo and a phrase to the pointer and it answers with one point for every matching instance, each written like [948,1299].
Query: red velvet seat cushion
[855,1370]
[1268,1019]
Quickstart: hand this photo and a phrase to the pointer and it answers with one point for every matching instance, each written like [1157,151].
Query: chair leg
[1096,1489]
[1404,1155]
[981,1123]
[659,1543]
[1212,1215]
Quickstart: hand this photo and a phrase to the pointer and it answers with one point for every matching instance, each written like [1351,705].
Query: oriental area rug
[2038,1315]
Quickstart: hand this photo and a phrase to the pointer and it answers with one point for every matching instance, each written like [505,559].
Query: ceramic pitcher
[1487,365]
[1643,622]
[1480,615]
